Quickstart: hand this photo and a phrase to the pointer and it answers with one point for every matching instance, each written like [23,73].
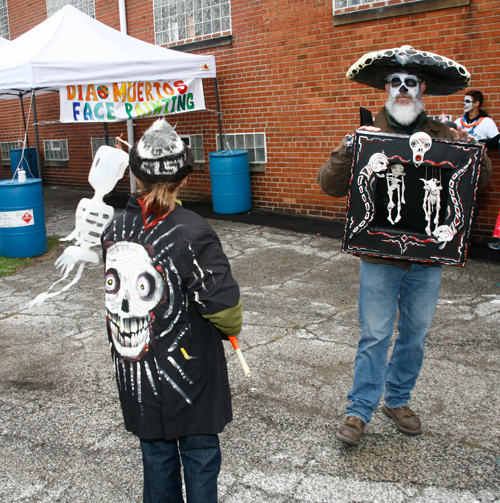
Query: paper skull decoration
[420,143]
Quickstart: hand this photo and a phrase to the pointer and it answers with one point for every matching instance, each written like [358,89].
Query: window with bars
[85,6]
[6,147]
[178,20]
[4,20]
[56,150]
[255,143]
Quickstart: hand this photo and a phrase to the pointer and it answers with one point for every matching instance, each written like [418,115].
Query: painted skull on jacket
[133,289]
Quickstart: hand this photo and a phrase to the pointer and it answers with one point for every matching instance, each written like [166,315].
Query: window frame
[77,4]
[167,31]
[4,14]
[189,139]
[255,165]
[48,150]
[6,158]
[369,13]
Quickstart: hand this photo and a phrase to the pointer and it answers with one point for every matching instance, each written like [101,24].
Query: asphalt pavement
[62,437]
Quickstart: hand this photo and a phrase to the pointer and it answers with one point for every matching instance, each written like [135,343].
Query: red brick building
[283,93]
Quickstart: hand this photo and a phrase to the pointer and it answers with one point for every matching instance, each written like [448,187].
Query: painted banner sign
[121,101]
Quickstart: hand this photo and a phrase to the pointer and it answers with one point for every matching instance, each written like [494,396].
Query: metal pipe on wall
[130,123]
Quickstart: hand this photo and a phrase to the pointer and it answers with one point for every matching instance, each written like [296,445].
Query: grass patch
[8,266]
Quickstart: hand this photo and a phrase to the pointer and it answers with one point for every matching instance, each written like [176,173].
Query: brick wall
[284,74]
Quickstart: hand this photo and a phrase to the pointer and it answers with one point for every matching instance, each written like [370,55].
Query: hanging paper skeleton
[91,217]
[395,184]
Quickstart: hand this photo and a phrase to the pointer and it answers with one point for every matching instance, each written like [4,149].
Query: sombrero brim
[442,76]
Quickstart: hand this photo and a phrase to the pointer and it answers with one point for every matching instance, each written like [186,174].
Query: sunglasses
[467,101]
[409,82]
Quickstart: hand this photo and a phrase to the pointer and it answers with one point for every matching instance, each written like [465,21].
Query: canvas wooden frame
[452,165]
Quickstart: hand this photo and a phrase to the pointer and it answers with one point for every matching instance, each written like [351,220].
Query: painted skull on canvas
[134,287]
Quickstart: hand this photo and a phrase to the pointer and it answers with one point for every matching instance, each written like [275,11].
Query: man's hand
[372,129]
[461,134]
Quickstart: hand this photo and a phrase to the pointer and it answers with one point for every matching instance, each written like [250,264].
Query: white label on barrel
[19,218]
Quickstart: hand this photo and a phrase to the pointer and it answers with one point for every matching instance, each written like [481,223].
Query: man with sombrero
[389,285]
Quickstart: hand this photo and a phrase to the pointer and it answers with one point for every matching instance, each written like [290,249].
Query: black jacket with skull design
[161,286]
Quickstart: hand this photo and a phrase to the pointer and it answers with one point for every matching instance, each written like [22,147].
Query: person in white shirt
[476,121]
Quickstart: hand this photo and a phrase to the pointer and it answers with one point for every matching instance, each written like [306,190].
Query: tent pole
[37,139]
[122,8]
[219,120]
[24,121]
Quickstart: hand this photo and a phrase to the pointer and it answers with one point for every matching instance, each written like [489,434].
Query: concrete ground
[61,432]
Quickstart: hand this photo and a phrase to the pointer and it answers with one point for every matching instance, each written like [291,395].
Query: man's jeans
[201,459]
[384,288]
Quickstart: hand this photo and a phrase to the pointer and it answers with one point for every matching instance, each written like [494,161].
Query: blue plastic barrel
[22,218]
[30,164]
[230,179]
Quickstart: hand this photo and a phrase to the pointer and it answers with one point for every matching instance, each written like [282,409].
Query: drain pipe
[130,123]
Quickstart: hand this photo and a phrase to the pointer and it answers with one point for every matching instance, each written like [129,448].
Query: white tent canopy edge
[71,48]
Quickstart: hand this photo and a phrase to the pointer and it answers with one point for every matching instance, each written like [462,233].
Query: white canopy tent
[71,48]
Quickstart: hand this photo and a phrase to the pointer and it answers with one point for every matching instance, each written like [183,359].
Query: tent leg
[219,120]
[37,138]
[24,122]
[131,140]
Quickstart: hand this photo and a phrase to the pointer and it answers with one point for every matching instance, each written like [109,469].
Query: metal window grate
[56,150]
[177,20]
[85,6]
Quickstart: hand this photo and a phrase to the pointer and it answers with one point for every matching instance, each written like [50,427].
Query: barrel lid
[228,153]
[15,181]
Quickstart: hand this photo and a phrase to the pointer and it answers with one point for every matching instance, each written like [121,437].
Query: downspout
[130,123]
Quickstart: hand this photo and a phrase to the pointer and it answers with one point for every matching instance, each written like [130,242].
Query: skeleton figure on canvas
[396,183]
[432,202]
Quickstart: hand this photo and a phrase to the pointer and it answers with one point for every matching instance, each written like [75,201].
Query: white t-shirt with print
[482,130]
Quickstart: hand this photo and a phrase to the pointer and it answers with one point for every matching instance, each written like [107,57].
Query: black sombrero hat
[442,76]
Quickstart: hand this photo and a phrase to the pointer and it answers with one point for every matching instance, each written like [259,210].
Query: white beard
[405,114]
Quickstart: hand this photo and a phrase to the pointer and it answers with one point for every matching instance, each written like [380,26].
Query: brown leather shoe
[406,420]
[350,431]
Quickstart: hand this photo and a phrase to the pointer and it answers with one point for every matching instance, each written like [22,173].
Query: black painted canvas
[412,197]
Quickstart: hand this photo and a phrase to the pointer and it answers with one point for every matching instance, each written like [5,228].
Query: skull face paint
[403,83]
[133,289]
[467,103]
[420,143]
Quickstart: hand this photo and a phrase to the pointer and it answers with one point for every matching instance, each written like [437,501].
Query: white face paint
[403,84]
[468,102]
